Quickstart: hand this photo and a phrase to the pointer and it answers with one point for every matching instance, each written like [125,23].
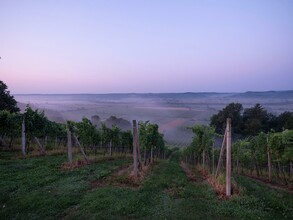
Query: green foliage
[287,140]
[285,121]
[201,144]
[126,139]
[252,153]
[233,111]
[241,151]
[35,123]
[203,139]
[7,101]
[149,136]
[281,145]
[256,120]
[87,132]
[251,121]
[10,125]
[106,134]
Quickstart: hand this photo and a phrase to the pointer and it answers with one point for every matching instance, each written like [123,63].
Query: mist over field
[173,112]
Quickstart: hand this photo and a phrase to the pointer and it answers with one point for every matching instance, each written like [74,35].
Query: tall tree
[285,121]
[233,111]
[10,126]
[7,101]
[256,120]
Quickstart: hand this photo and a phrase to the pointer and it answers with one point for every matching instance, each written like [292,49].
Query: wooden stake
[135,167]
[41,147]
[138,151]
[228,158]
[269,161]
[203,159]
[213,158]
[111,147]
[81,149]
[23,138]
[69,145]
[221,154]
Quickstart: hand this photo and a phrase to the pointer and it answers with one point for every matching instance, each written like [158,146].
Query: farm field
[38,188]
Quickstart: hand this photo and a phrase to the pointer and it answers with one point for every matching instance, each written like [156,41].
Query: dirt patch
[204,176]
[219,188]
[75,164]
[82,162]
[288,189]
[124,178]
[190,175]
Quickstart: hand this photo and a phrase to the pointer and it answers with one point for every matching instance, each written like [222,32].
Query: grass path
[36,188]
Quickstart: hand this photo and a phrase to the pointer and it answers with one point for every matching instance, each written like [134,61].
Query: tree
[256,120]
[233,111]
[10,125]
[7,101]
[285,121]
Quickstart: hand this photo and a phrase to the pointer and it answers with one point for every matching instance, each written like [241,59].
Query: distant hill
[135,96]
[267,94]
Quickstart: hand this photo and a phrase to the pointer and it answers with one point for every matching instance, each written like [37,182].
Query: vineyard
[79,171]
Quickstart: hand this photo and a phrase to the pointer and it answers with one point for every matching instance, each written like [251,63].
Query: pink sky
[153,46]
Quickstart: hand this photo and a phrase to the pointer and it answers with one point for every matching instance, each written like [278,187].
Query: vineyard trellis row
[265,155]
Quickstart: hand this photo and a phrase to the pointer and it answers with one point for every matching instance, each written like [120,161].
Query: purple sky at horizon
[146,46]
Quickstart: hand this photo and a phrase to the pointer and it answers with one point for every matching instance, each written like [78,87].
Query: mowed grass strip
[37,188]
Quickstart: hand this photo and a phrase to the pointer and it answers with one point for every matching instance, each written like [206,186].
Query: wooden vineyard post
[111,148]
[23,138]
[228,158]
[138,150]
[81,149]
[69,145]
[40,145]
[269,161]
[221,154]
[213,158]
[137,164]
[135,143]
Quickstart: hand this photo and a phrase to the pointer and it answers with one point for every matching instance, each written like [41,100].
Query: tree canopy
[251,121]
[233,111]
[7,101]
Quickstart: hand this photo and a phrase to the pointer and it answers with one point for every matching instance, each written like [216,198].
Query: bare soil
[189,174]
[124,178]
[274,185]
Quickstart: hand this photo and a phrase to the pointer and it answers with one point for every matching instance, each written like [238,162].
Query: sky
[107,46]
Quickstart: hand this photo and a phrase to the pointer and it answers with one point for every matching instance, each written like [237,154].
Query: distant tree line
[251,121]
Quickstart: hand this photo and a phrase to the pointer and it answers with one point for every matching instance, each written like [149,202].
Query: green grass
[36,188]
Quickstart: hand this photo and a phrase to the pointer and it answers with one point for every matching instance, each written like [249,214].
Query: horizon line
[152,93]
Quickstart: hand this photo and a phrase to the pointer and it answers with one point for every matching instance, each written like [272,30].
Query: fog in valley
[174,113]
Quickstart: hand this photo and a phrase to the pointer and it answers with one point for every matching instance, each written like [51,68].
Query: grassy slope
[37,188]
